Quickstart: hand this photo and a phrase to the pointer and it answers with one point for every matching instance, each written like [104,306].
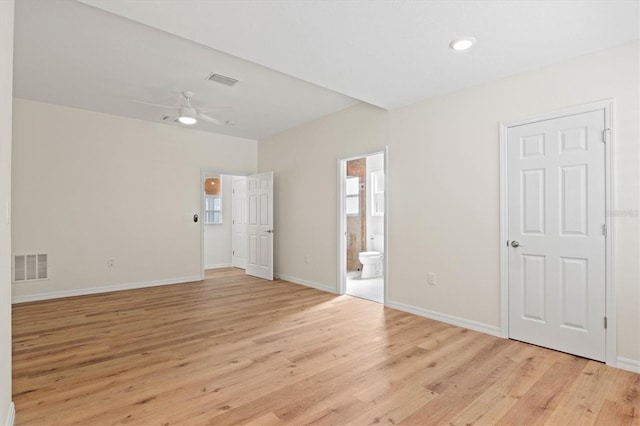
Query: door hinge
[604,229]
[605,135]
[233,253]
[605,322]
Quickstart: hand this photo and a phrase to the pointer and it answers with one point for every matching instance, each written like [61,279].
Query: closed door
[260,225]
[239,222]
[556,219]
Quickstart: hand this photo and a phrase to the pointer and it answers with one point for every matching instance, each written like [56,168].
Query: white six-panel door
[239,222]
[556,217]
[260,225]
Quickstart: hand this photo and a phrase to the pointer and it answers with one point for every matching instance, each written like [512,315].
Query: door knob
[270,231]
[515,244]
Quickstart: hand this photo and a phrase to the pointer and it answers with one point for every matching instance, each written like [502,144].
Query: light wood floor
[239,350]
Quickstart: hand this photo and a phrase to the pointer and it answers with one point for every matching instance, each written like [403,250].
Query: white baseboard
[449,319]
[306,283]
[11,415]
[218,266]
[632,365]
[102,289]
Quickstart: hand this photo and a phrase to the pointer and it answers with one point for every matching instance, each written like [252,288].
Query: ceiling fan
[187,114]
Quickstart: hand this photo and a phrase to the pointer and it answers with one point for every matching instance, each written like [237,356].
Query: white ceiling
[71,54]
[387,53]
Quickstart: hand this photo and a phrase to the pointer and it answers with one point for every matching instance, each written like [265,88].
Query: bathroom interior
[364,209]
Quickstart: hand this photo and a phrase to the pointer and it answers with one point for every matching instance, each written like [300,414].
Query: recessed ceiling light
[462,43]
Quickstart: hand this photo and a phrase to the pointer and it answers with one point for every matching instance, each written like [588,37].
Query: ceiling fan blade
[217,109]
[155,105]
[205,117]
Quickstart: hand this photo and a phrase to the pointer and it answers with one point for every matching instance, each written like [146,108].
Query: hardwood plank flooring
[239,350]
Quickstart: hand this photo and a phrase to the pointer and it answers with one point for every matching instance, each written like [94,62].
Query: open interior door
[239,222]
[260,225]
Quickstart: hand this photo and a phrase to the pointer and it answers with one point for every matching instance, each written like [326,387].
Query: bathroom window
[352,203]
[212,201]
[377,195]
[212,209]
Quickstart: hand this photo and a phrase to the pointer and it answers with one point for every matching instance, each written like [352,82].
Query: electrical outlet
[111,263]
[307,259]
[431,278]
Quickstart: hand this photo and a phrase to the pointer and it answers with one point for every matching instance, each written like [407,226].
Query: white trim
[504,233]
[203,174]
[608,106]
[611,303]
[102,289]
[449,319]
[11,415]
[385,258]
[7,13]
[565,112]
[305,283]
[342,228]
[632,365]
[218,266]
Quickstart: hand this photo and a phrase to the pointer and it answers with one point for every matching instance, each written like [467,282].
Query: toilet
[372,260]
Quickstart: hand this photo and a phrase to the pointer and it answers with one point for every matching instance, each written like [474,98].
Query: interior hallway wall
[443,189]
[7,410]
[305,164]
[450,145]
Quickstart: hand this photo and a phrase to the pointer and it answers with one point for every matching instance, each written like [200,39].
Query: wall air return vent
[222,79]
[30,267]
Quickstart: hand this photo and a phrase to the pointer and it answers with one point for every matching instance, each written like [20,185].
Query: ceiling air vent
[222,79]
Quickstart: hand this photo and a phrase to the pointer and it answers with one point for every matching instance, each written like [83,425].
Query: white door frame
[342,222]
[203,174]
[610,303]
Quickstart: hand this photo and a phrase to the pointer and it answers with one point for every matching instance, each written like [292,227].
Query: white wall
[305,160]
[375,224]
[6,89]
[443,188]
[89,186]
[450,145]
[217,238]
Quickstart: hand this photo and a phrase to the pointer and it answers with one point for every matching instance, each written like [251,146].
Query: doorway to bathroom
[362,226]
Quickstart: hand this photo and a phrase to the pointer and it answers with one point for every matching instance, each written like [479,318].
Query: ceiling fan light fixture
[187,116]
[462,43]
[187,120]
